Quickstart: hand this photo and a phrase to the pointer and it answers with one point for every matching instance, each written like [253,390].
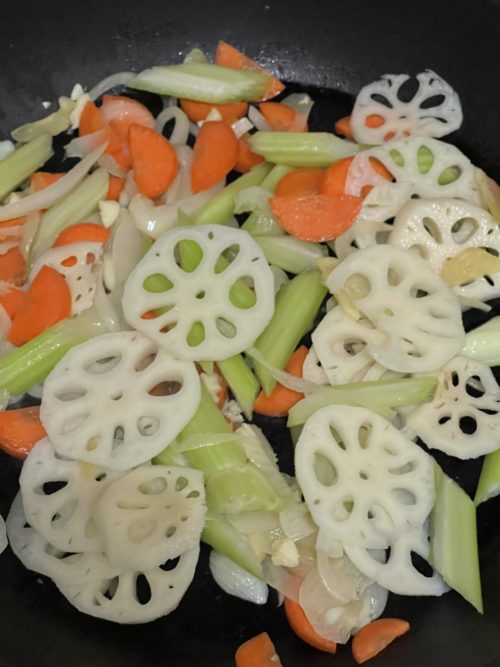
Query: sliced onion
[3,536]
[296,522]
[281,579]
[258,120]
[193,128]
[109,163]
[195,56]
[28,232]
[241,127]
[213,114]
[341,578]
[52,193]
[467,303]
[82,146]
[112,81]
[280,278]
[5,246]
[124,249]
[286,379]
[14,232]
[234,580]
[180,133]
[254,198]
[302,104]
[117,108]
[181,187]
[255,522]
[130,188]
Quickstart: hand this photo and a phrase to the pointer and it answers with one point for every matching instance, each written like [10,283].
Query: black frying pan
[332,47]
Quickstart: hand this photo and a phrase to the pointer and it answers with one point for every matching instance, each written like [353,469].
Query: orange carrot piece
[282,399]
[42,179]
[374,121]
[246,157]
[335,177]
[315,217]
[280,116]
[82,232]
[223,393]
[198,111]
[375,636]
[126,112]
[12,267]
[301,182]
[214,155]
[20,430]
[229,56]
[258,651]
[13,222]
[299,623]
[11,301]
[91,120]
[46,302]
[115,187]
[343,127]
[154,160]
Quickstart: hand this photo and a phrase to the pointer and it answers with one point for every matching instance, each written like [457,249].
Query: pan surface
[332,48]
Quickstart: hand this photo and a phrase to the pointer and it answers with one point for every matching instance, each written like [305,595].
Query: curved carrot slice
[20,430]
[246,157]
[91,120]
[343,127]
[301,182]
[214,155]
[46,302]
[198,111]
[82,232]
[303,629]
[11,301]
[42,179]
[115,187]
[375,636]
[280,116]
[229,56]
[335,177]
[315,217]
[257,652]
[12,267]
[154,160]
[282,399]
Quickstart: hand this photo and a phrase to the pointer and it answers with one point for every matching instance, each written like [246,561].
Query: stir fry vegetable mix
[158,324]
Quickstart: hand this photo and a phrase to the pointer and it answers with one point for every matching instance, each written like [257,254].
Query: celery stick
[203,82]
[291,254]
[301,149]
[380,396]
[483,343]
[260,222]
[297,304]
[244,489]
[170,457]
[32,362]
[489,480]
[20,164]
[220,208]
[76,206]
[242,382]
[453,545]
[274,176]
[55,123]
[224,537]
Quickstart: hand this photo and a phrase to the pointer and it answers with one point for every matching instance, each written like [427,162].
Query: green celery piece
[489,480]
[301,149]
[203,82]
[207,366]
[278,172]
[81,202]
[453,545]
[259,223]
[55,123]
[225,538]
[380,396]
[297,304]
[291,254]
[170,457]
[26,159]
[214,458]
[483,343]
[220,208]
[242,382]
[244,489]
[30,364]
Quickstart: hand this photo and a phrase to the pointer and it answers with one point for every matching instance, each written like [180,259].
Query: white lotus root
[77,262]
[463,418]
[202,296]
[58,495]
[135,596]
[433,111]
[363,482]
[312,371]
[440,229]
[38,555]
[416,317]
[429,167]
[397,571]
[150,515]
[118,401]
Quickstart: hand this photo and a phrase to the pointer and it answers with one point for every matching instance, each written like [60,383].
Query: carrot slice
[343,127]
[115,187]
[198,111]
[282,399]
[301,182]
[229,56]
[20,430]
[11,301]
[315,217]
[42,179]
[335,178]
[46,302]
[12,267]
[154,160]
[257,652]
[91,120]
[82,232]
[375,636]
[303,629]
[247,159]
[214,155]
[280,116]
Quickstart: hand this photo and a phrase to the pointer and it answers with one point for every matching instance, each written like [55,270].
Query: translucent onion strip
[284,378]
[180,132]
[118,79]
[234,580]
[82,146]
[258,120]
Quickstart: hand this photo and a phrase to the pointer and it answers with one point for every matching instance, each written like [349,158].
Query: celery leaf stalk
[489,480]
[301,149]
[20,164]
